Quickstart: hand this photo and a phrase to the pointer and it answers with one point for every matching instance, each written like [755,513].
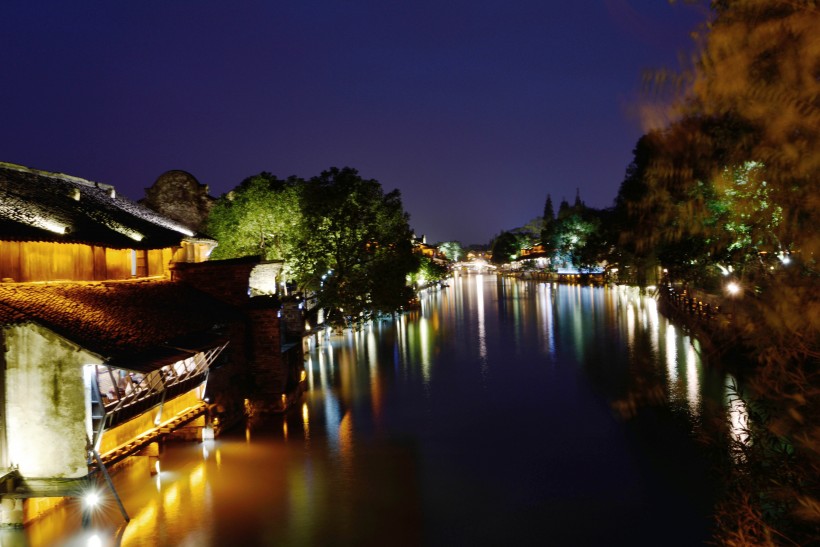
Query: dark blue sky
[474,109]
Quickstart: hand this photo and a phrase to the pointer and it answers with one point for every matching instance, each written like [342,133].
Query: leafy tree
[548,226]
[507,246]
[354,246]
[760,63]
[452,250]
[259,217]
[563,209]
[428,271]
[575,239]
[735,182]
[530,232]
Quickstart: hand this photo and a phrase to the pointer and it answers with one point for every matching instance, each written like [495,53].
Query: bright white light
[92,499]
[732,288]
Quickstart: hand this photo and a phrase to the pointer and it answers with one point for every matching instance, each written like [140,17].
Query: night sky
[474,109]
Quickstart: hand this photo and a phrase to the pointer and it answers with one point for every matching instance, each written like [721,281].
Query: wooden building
[110,323]
[57,227]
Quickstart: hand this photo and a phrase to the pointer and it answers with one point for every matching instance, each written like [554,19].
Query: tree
[760,63]
[548,226]
[573,238]
[739,176]
[258,217]
[428,271]
[507,246]
[452,250]
[354,247]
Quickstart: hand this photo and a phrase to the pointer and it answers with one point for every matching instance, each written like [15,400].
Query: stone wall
[179,196]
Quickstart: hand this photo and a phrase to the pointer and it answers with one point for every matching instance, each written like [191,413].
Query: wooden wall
[25,261]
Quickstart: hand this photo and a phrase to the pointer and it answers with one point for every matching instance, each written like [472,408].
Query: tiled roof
[40,206]
[129,323]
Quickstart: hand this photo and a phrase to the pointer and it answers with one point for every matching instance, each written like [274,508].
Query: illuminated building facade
[110,322]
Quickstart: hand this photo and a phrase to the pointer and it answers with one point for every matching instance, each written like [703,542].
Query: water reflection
[482,330]
[483,418]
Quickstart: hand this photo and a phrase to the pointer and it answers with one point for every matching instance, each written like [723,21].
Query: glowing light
[692,381]
[733,288]
[671,354]
[92,499]
[124,230]
[52,226]
[172,498]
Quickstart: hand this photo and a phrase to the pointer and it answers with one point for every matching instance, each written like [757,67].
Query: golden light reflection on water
[671,357]
[654,323]
[652,337]
[309,493]
[692,378]
[306,422]
[630,325]
[182,503]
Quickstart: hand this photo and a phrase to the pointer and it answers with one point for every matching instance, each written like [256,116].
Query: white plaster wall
[46,403]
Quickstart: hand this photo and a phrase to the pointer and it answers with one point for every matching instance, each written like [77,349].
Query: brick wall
[265,357]
[226,280]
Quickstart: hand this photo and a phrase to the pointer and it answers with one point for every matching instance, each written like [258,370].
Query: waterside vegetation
[722,200]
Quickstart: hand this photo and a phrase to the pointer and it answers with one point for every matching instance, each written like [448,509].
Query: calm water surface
[503,412]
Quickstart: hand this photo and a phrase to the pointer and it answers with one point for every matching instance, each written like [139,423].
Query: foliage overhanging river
[502,412]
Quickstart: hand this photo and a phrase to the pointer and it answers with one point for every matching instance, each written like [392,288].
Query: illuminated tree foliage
[575,236]
[354,246]
[734,188]
[339,235]
[428,271]
[452,250]
[761,63]
[259,217]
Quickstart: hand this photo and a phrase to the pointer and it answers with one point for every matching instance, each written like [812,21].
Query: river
[503,412]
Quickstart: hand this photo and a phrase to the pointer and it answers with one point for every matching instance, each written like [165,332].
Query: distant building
[421,247]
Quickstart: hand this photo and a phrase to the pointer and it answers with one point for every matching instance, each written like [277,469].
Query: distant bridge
[474,266]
